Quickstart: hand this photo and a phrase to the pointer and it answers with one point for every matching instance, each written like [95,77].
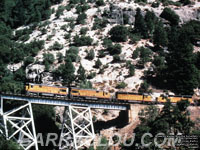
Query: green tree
[90,55]
[160,36]
[170,15]
[131,70]
[81,74]
[81,18]
[183,76]
[98,63]
[114,49]
[118,33]
[140,25]
[8,144]
[151,20]
[68,72]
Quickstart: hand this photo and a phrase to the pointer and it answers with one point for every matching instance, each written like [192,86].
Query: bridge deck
[103,104]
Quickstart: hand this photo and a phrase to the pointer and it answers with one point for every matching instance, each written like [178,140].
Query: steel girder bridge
[77,127]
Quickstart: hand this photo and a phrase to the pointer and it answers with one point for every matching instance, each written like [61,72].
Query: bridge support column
[18,124]
[77,129]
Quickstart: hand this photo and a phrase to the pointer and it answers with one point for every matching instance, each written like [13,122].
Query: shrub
[131,70]
[82,8]
[101,54]
[67,36]
[119,33]
[90,55]
[98,63]
[100,2]
[91,75]
[135,53]
[60,57]
[134,38]
[84,30]
[115,49]
[81,18]
[48,57]
[99,23]
[121,85]
[56,46]
[82,40]
[143,87]
[72,53]
[116,58]
[60,11]
[107,42]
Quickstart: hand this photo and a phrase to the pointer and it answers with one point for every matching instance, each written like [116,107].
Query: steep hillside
[61,32]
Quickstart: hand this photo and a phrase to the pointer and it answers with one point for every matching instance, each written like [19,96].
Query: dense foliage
[16,13]
[171,119]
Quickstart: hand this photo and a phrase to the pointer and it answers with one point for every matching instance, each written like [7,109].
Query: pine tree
[81,74]
[140,25]
[182,74]
[68,72]
[160,35]
[150,19]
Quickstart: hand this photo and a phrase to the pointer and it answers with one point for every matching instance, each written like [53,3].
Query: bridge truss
[17,123]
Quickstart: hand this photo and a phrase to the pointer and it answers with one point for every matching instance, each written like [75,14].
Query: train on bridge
[78,93]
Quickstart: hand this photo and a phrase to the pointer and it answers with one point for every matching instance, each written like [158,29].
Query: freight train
[77,93]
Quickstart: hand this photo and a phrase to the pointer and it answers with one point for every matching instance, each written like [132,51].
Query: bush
[97,64]
[170,15]
[114,49]
[116,58]
[99,23]
[82,8]
[185,2]
[131,70]
[91,75]
[143,87]
[81,18]
[60,11]
[48,57]
[100,3]
[56,46]
[134,38]
[121,85]
[84,30]
[107,42]
[101,54]
[60,57]
[119,33]
[90,55]
[82,40]
[135,53]
[72,53]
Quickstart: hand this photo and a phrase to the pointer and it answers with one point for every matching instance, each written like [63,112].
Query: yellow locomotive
[46,90]
[89,94]
[133,97]
[174,99]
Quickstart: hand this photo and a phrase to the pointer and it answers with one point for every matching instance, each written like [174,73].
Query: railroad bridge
[74,133]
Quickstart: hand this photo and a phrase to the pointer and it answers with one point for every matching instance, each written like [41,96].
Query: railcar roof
[48,85]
